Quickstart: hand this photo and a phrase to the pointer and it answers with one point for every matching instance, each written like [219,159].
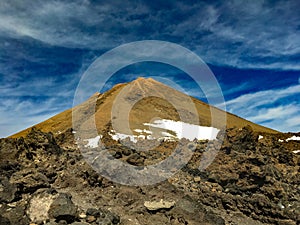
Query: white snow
[186,130]
[141,136]
[134,138]
[182,130]
[93,142]
[280,140]
[138,130]
[260,137]
[73,132]
[119,136]
[147,131]
[143,131]
[296,151]
[294,138]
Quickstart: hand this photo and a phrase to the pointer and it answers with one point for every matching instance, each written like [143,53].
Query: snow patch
[280,140]
[119,136]
[147,131]
[181,129]
[134,138]
[296,151]
[93,142]
[143,131]
[138,130]
[260,137]
[294,138]
[186,130]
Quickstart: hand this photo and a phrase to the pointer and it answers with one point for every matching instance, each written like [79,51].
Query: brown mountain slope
[141,101]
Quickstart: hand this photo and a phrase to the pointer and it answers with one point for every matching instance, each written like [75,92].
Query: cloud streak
[277,108]
[17,114]
[254,34]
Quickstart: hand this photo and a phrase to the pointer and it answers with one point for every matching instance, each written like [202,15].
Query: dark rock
[101,216]
[93,212]
[38,140]
[91,176]
[8,156]
[4,221]
[241,140]
[126,151]
[7,190]
[213,218]
[66,137]
[108,218]
[29,180]
[136,160]
[14,215]
[118,155]
[63,208]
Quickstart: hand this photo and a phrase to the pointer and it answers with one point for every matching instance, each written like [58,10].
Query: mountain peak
[151,99]
[148,80]
[143,79]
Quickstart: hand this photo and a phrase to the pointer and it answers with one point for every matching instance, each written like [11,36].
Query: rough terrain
[253,180]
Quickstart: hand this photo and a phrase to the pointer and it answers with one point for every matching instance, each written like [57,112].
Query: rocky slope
[253,180]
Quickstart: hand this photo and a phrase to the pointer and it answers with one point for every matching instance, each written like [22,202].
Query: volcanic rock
[7,190]
[62,208]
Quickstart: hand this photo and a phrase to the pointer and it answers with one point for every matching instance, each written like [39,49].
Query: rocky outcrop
[252,181]
[62,208]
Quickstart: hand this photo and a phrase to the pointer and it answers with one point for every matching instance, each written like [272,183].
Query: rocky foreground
[253,180]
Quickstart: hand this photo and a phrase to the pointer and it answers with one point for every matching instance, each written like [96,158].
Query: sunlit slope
[138,102]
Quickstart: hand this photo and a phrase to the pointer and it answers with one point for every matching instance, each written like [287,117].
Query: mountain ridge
[153,102]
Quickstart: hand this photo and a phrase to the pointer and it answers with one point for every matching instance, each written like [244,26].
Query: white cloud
[246,34]
[17,114]
[68,23]
[279,112]
[234,33]
[33,101]
[253,100]
[260,107]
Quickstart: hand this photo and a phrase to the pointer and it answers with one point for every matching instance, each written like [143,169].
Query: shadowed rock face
[251,181]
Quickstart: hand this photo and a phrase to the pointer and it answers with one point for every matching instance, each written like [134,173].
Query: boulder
[7,190]
[63,208]
[39,205]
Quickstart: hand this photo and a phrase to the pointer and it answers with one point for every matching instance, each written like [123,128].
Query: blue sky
[253,48]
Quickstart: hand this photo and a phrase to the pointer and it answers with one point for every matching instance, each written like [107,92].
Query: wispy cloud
[277,108]
[17,114]
[257,34]
[29,97]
